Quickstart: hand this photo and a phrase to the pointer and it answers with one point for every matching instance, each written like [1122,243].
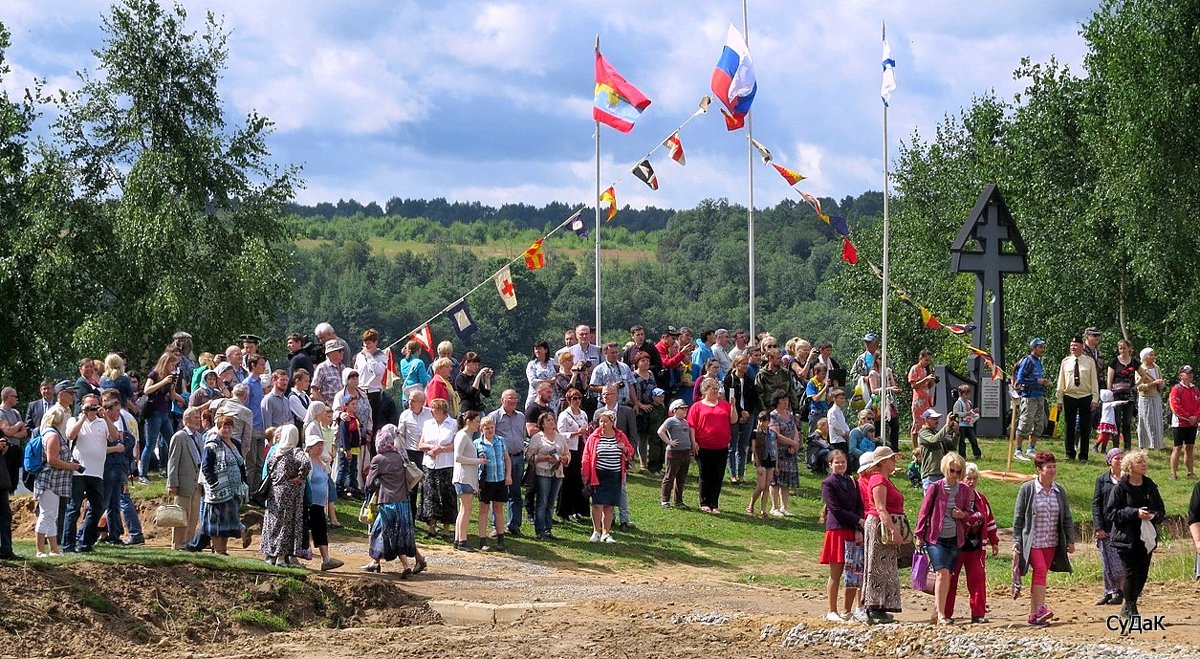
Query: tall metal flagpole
[750,169]
[883,329]
[596,336]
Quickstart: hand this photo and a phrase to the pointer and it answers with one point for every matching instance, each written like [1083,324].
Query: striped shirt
[608,454]
[1045,516]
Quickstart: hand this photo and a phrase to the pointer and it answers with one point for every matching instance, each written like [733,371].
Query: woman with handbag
[283,522]
[1134,510]
[942,528]
[886,529]
[1042,546]
[548,454]
[972,554]
[606,456]
[393,535]
[224,484]
[574,426]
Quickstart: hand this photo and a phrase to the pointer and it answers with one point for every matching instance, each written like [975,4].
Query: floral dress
[283,524]
[787,469]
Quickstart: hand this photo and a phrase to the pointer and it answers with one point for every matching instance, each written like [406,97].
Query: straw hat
[872,458]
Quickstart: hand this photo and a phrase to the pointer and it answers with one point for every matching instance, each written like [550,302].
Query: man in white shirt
[408,430]
[89,433]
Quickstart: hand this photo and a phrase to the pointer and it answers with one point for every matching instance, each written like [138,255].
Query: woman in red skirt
[844,521]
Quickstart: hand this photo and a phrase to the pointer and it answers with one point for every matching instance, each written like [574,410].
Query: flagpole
[597,200]
[883,329]
[750,169]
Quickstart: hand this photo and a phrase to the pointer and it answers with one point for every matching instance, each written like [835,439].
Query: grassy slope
[773,551]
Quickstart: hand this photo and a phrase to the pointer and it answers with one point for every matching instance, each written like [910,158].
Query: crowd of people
[225,429]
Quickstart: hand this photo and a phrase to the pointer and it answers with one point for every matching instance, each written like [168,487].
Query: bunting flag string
[535,256]
[609,197]
[931,321]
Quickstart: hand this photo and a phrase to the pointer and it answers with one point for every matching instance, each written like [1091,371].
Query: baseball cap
[1091,331]
[312,441]
[930,414]
[1036,342]
[657,392]
[1182,369]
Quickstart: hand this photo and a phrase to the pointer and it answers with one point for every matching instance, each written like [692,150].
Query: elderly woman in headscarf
[283,524]
[1150,385]
[392,533]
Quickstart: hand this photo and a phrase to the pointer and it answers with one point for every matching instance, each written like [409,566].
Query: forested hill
[393,273]
[445,212]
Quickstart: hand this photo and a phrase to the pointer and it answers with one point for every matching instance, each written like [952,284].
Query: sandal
[406,573]
[750,511]
[421,565]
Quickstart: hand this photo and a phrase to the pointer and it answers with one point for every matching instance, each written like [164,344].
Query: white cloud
[490,100]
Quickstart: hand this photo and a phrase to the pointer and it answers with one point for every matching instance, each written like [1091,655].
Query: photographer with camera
[935,444]
[89,433]
[923,382]
[473,384]
[612,371]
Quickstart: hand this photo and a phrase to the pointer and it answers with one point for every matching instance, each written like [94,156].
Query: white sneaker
[42,554]
[775,512]
[833,616]
[607,538]
[1020,456]
[786,512]
[859,615]
[595,537]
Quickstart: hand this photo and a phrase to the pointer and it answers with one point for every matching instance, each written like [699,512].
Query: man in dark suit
[626,423]
[37,409]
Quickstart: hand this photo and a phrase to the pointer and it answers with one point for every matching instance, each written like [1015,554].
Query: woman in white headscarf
[283,524]
[1150,387]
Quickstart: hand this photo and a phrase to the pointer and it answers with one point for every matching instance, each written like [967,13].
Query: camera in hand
[91,408]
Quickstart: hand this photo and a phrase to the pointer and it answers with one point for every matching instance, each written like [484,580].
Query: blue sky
[491,101]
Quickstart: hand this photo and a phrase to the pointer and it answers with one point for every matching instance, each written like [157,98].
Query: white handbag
[170,516]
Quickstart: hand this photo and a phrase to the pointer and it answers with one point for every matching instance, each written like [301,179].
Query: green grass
[774,552]
[262,619]
[784,551]
[156,556]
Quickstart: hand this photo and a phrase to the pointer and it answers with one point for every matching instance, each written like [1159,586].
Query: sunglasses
[574,398]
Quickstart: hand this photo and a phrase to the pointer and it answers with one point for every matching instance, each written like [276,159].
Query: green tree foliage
[188,205]
[1098,172]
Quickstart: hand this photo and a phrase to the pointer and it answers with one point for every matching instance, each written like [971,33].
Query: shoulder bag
[414,473]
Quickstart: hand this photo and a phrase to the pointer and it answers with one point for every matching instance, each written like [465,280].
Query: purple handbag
[922,576]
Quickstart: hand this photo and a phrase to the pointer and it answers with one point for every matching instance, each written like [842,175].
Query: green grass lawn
[751,550]
[785,551]
[147,555]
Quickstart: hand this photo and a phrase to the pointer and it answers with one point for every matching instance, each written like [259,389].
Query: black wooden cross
[1000,251]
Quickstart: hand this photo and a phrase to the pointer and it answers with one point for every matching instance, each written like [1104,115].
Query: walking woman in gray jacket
[1043,533]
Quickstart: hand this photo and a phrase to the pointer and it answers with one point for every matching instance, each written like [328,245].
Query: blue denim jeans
[739,447]
[120,504]
[158,434]
[516,498]
[927,481]
[347,479]
[547,496]
[92,489]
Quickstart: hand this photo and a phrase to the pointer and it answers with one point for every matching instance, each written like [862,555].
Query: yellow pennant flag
[609,197]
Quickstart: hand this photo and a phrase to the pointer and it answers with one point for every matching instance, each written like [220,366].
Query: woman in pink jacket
[942,525]
[605,459]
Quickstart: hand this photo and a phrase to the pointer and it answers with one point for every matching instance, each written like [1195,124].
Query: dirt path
[660,611]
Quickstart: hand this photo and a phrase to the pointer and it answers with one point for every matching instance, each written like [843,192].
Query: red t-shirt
[711,424]
[894,499]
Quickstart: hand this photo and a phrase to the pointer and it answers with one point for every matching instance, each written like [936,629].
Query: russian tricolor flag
[733,80]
